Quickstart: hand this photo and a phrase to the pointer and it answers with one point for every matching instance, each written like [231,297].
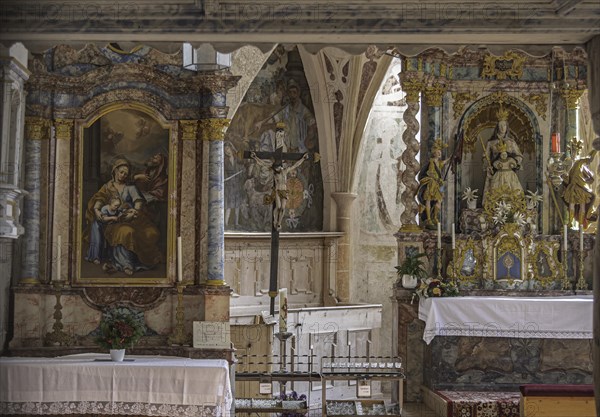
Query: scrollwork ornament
[459,101]
[539,101]
[509,65]
[213,129]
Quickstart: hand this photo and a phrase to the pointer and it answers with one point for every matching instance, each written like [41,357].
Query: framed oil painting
[125,225]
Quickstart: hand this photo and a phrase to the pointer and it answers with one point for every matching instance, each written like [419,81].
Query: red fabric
[552,390]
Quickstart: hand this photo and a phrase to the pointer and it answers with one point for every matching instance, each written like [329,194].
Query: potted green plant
[412,270]
[119,328]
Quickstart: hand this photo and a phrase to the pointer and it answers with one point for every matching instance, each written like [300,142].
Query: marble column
[411,85]
[571,97]
[213,130]
[36,130]
[343,275]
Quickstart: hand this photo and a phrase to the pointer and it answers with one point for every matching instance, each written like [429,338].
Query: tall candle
[453,237]
[283,306]
[581,238]
[439,235]
[179,260]
[556,142]
[58,257]
[565,238]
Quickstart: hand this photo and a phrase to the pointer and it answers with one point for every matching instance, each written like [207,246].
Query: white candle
[581,238]
[58,257]
[439,235]
[179,260]
[283,310]
[453,237]
[565,238]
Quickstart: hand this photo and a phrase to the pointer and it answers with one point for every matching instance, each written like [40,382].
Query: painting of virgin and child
[125,204]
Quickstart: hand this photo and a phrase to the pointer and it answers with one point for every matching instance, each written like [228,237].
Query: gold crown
[280,125]
[502,114]
[502,146]
[438,145]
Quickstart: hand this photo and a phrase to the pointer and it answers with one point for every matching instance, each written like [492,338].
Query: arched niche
[125,247]
[477,126]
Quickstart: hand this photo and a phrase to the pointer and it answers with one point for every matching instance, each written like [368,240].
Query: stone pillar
[213,130]
[36,130]
[344,202]
[412,85]
[63,133]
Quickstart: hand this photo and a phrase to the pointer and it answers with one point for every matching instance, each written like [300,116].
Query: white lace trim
[109,407]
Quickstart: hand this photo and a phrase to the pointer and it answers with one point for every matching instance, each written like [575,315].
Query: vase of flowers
[119,329]
[434,287]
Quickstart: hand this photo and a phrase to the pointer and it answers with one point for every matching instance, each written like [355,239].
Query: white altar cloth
[567,317]
[80,384]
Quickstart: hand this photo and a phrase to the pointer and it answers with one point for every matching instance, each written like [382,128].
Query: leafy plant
[120,328]
[413,265]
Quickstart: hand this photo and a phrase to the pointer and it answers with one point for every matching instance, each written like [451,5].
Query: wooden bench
[557,401]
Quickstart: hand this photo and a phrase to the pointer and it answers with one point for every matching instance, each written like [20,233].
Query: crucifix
[276,161]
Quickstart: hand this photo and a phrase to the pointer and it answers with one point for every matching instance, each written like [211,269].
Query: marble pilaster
[212,130]
[412,86]
[36,130]
[343,275]
[63,129]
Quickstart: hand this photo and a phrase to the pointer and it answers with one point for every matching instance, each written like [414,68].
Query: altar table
[92,384]
[568,317]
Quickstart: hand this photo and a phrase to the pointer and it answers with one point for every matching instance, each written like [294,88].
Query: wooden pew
[546,400]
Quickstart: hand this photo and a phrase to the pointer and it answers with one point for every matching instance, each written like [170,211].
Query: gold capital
[189,129]
[213,129]
[571,97]
[412,88]
[63,129]
[37,128]
[434,94]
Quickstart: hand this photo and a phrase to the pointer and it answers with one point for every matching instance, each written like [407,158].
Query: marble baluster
[412,86]
[212,130]
[36,130]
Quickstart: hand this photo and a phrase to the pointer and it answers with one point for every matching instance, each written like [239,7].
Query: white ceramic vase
[117,355]
[409,281]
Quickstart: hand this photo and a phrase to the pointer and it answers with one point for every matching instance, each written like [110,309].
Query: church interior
[300,208]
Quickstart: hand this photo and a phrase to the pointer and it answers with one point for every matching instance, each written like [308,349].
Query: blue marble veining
[31,210]
[216,217]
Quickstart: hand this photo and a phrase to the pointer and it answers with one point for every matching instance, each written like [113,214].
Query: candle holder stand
[283,338]
[439,263]
[581,284]
[57,337]
[179,337]
[566,283]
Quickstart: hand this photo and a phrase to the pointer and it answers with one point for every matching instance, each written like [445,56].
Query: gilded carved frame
[548,249]
[509,239]
[462,251]
[163,275]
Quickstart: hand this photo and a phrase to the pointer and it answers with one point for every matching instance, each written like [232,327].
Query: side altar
[504,205]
